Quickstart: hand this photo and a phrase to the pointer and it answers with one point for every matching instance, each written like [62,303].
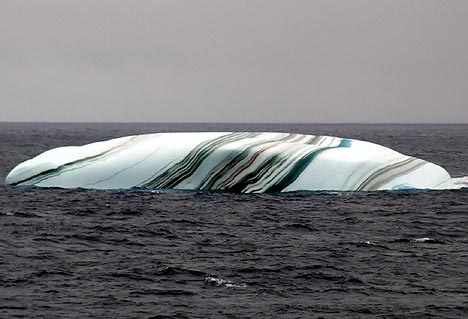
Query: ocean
[174,254]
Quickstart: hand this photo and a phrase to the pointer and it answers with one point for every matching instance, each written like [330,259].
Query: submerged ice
[246,162]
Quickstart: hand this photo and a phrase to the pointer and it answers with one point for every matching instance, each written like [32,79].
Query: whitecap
[426,240]
[421,240]
[367,242]
[460,182]
[218,282]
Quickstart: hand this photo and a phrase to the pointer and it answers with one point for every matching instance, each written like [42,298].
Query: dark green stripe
[189,164]
[379,178]
[65,167]
[300,166]
[233,159]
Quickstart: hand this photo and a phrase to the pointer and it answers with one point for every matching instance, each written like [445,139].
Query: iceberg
[244,162]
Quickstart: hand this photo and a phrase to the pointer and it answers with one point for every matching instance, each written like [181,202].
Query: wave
[218,282]
[460,182]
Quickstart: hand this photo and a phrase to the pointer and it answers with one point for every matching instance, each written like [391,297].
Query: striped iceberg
[245,162]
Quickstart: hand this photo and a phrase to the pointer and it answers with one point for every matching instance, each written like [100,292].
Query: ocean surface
[168,254]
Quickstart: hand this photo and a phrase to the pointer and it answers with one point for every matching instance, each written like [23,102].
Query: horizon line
[235,122]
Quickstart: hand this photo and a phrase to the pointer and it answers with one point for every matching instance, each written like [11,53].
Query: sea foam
[460,182]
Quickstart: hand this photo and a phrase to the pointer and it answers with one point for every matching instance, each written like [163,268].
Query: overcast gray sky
[234,61]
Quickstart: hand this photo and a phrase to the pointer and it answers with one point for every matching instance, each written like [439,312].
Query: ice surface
[237,162]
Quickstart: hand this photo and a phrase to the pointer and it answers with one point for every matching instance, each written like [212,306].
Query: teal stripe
[300,166]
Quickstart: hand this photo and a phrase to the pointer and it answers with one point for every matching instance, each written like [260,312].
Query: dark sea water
[152,254]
